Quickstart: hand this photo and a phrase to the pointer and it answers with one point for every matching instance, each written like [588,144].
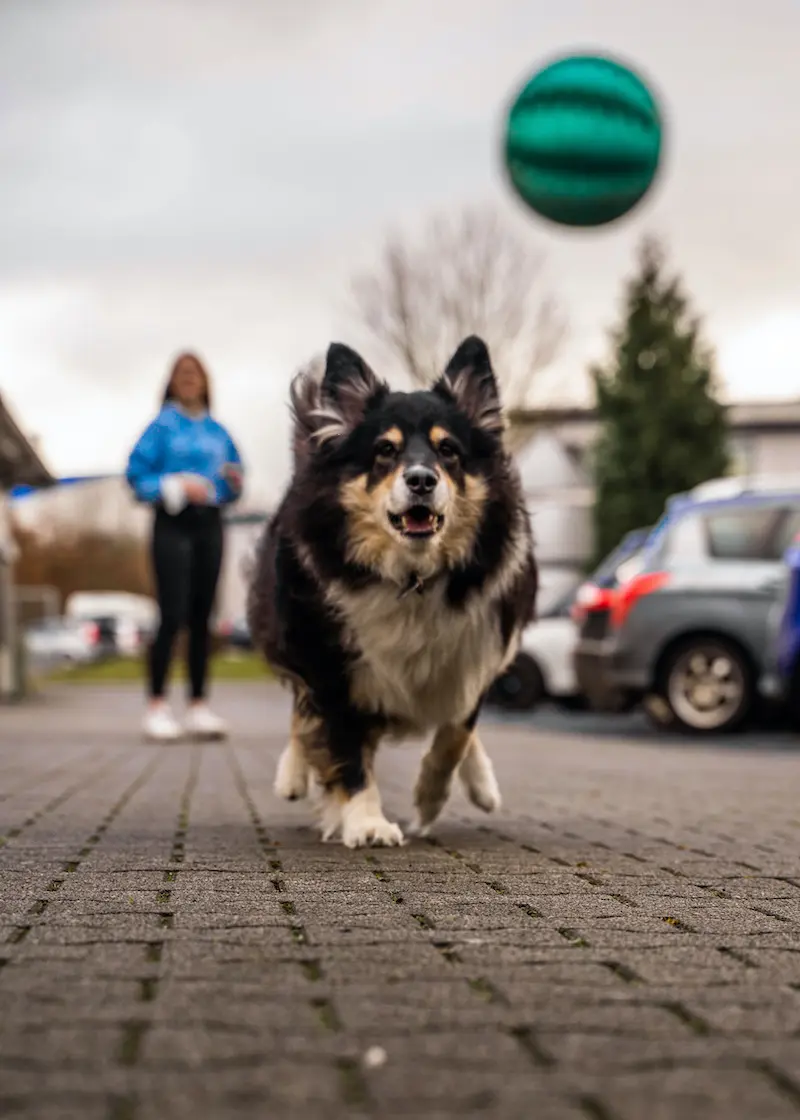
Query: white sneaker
[201,723]
[160,726]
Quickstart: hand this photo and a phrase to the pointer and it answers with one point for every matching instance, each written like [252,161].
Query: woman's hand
[232,474]
[196,491]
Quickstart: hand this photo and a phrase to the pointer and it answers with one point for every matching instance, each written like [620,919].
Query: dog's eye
[385,451]
[448,451]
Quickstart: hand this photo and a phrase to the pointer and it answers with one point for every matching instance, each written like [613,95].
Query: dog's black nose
[420,480]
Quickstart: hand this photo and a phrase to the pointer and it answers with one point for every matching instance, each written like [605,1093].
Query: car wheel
[521,687]
[708,685]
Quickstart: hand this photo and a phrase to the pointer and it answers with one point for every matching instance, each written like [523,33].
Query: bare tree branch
[467,273]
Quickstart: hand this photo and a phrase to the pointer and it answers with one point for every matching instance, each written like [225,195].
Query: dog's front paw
[292,775]
[371,831]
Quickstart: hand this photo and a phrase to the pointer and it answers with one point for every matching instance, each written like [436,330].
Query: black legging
[187,555]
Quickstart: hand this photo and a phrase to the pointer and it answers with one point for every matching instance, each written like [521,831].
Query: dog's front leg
[453,747]
[292,775]
[342,756]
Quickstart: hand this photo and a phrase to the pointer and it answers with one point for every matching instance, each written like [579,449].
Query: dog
[391,587]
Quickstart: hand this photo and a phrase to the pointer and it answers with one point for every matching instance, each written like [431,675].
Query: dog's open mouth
[417,522]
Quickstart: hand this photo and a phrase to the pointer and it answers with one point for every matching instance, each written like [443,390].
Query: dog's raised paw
[480,784]
[292,775]
[371,831]
[419,828]
[486,796]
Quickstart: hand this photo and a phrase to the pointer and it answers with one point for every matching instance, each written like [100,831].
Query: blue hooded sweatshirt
[177,443]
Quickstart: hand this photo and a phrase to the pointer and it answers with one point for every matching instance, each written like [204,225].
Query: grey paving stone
[670,1094]
[622,941]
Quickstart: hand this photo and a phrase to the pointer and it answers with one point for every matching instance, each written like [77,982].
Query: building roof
[743,416]
[19,459]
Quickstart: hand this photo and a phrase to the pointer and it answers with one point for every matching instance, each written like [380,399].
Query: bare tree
[468,273]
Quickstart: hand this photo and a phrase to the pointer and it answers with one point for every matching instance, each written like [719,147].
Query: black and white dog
[392,585]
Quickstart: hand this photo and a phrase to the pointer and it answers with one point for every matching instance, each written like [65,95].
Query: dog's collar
[415,583]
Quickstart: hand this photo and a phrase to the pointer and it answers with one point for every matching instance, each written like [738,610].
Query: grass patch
[224,667]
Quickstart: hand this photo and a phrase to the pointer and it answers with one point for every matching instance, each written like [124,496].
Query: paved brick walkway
[622,943]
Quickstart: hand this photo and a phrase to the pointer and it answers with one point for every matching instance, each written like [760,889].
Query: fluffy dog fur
[392,585]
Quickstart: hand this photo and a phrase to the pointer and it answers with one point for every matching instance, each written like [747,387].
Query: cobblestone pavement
[621,943]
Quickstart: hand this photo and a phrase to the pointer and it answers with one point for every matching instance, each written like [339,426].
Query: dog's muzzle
[418,517]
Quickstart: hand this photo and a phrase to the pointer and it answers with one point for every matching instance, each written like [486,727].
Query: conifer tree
[662,428]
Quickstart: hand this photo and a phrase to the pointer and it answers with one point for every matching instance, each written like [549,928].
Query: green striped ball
[583,141]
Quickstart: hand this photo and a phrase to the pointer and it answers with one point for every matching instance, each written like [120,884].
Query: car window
[736,533]
[686,539]
[741,534]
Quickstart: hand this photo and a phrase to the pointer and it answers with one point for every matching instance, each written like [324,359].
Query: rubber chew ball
[583,141]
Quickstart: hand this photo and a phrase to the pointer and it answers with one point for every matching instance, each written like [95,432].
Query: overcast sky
[209,174]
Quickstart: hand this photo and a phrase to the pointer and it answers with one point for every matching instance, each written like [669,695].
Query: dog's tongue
[417,521]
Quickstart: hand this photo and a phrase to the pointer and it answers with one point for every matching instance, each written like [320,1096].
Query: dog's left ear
[470,383]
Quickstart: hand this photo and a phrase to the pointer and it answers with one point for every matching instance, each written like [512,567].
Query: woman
[187,467]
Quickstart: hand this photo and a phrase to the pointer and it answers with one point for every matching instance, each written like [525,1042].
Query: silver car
[688,630]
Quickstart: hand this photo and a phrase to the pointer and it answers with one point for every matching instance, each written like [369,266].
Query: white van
[131,616]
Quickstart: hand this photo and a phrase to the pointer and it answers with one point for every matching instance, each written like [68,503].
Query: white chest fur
[418,660]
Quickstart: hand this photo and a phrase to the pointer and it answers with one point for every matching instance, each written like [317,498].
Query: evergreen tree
[662,429]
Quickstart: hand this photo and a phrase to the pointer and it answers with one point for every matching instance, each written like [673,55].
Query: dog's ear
[329,402]
[304,395]
[470,383]
[347,374]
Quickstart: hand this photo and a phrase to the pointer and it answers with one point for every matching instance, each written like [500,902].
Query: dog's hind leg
[293,774]
[453,747]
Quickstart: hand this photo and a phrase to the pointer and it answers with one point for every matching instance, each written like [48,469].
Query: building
[19,464]
[553,449]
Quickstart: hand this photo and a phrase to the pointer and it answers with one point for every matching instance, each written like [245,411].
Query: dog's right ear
[327,404]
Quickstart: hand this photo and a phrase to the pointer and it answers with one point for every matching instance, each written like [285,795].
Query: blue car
[787,645]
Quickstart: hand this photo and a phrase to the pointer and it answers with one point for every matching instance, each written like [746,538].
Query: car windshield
[629,546]
[631,567]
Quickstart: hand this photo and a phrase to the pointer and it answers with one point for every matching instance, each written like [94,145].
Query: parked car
[688,630]
[236,634]
[592,595]
[57,640]
[544,669]
[123,620]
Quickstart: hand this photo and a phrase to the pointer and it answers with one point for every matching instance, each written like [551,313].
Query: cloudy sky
[209,173]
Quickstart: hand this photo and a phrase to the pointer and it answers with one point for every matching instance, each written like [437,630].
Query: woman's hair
[187,356]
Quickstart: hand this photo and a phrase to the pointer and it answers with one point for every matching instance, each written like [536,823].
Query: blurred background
[253,179]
